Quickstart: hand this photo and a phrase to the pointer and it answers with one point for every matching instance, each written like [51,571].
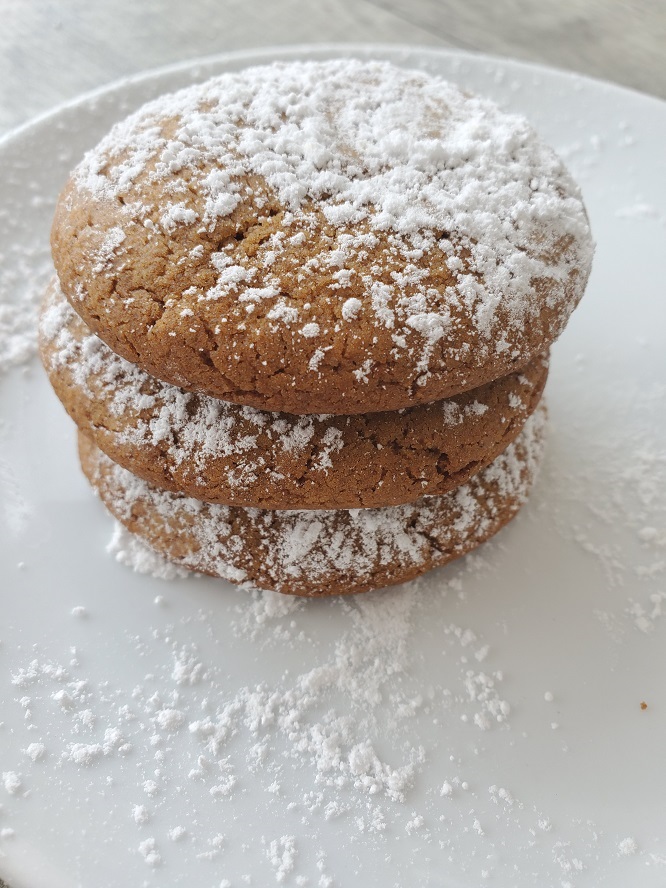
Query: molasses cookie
[323,237]
[225,453]
[321,552]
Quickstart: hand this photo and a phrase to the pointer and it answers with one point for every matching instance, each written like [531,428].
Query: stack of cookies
[301,319]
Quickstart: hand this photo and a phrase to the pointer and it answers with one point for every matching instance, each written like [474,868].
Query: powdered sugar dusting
[198,438]
[23,276]
[128,549]
[297,550]
[478,224]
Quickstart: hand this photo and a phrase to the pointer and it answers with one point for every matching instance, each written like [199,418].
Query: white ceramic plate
[272,734]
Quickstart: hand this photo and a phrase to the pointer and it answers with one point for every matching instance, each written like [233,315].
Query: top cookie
[323,237]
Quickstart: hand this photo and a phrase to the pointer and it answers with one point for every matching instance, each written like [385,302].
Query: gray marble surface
[52,50]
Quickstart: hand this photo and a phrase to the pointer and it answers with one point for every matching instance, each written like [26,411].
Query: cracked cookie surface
[234,455]
[323,237]
[317,553]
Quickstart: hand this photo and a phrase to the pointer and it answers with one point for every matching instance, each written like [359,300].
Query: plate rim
[287,50]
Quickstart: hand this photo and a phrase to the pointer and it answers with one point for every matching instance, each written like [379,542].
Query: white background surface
[556,598]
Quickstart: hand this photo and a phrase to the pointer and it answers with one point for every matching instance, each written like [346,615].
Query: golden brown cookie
[225,453]
[323,237]
[321,552]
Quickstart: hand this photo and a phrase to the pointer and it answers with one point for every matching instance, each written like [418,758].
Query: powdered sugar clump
[149,852]
[128,549]
[113,742]
[11,781]
[627,847]
[140,814]
[36,751]
[282,855]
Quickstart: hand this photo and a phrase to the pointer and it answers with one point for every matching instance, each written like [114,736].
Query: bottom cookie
[314,552]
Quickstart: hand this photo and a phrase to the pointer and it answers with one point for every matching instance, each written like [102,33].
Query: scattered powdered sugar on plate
[640,210]
[26,210]
[299,721]
[262,619]
[626,496]
[21,290]
[24,271]
[333,743]
[128,549]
